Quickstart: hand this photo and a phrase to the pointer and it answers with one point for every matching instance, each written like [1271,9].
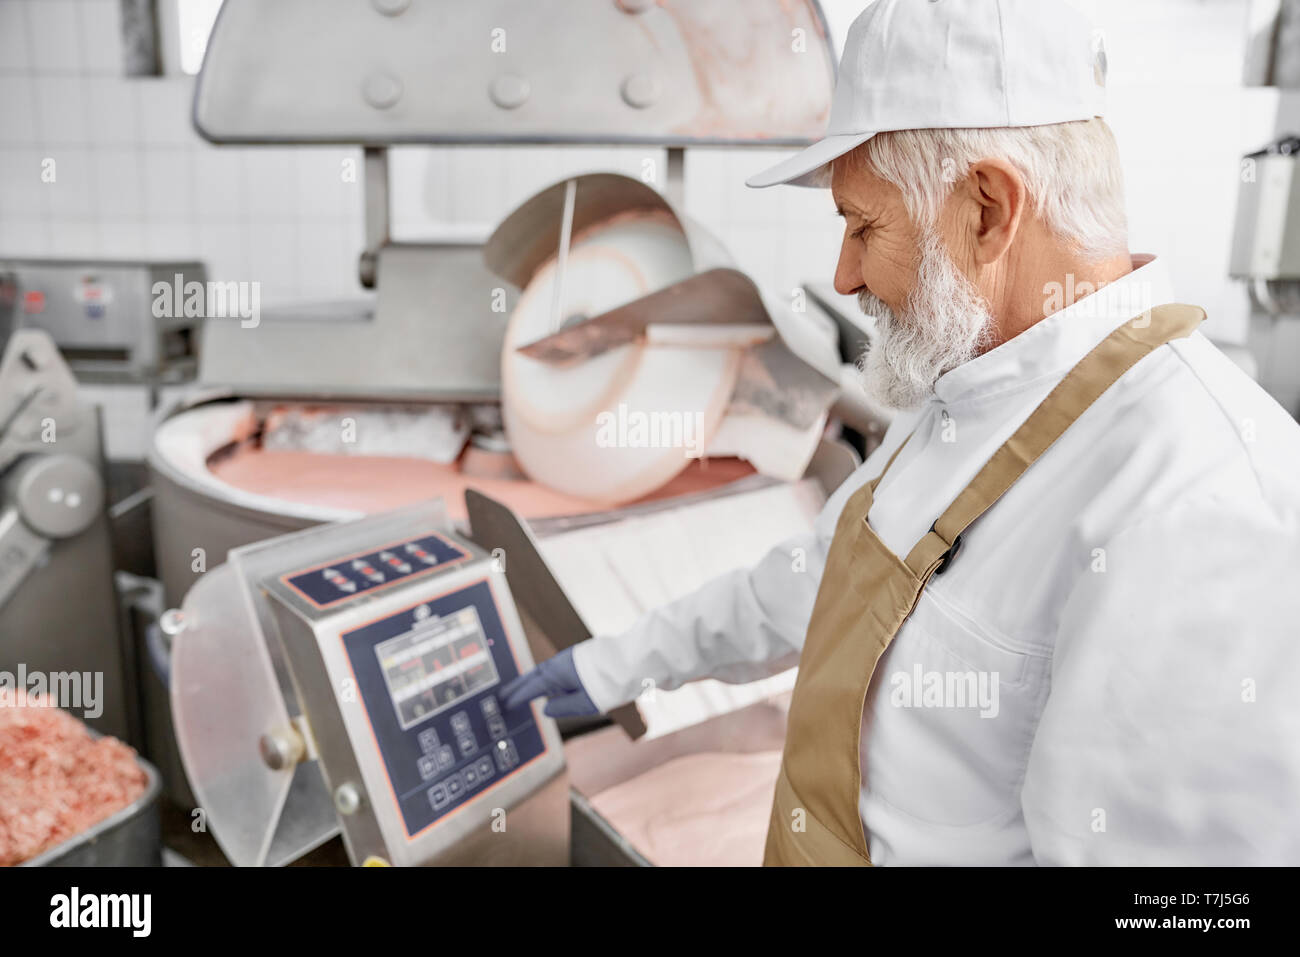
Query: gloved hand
[557,678]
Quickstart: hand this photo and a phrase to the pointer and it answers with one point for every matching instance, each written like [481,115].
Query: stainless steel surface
[225,695]
[58,496]
[194,528]
[8,304]
[595,842]
[530,235]
[724,297]
[433,334]
[110,319]
[130,838]
[1266,239]
[39,407]
[44,428]
[674,72]
[21,551]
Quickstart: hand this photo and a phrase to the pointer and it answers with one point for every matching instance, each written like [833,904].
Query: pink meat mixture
[56,780]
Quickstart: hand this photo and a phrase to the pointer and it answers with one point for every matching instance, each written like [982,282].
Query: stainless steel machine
[435,335]
[669,74]
[58,608]
[1266,255]
[115,321]
[344,679]
[1266,240]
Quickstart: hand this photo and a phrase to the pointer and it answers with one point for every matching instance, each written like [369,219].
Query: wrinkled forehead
[854,186]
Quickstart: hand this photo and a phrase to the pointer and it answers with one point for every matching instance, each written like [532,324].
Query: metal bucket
[130,838]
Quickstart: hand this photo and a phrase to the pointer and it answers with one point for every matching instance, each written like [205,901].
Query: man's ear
[1000,191]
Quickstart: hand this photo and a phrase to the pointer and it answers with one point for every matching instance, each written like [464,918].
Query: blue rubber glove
[556,678]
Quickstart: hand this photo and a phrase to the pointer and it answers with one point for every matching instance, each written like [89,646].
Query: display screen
[437,663]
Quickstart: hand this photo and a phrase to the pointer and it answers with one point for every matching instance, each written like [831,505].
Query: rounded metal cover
[58,495]
[224,698]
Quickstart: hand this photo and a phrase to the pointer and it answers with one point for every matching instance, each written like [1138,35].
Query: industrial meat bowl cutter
[316,687]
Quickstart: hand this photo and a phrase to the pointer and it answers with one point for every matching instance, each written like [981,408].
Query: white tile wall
[15,50]
[133,179]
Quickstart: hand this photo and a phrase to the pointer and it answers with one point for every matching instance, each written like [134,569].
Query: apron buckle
[949,555]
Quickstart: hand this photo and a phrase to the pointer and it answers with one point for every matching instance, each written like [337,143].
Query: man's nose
[848,272]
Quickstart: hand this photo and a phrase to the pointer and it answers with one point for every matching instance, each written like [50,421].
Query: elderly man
[1053,619]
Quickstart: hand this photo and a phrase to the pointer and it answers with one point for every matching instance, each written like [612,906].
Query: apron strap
[1094,374]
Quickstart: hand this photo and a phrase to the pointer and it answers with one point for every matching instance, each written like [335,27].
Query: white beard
[945,323]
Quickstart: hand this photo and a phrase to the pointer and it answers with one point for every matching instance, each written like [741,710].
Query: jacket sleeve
[1170,733]
[742,626]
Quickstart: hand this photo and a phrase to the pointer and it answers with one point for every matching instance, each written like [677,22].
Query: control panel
[375,650]
[428,676]
[335,582]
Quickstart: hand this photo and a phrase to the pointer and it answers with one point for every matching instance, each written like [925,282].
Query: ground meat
[697,810]
[56,780]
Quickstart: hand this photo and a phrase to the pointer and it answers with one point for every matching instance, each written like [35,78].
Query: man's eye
[858,233]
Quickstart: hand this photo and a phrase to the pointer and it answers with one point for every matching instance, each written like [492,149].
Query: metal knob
[640,90]
[509,91]
[381,90]
[281,749]
[347,799]
[58,496]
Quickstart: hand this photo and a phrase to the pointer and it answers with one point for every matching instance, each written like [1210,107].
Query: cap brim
[807,168]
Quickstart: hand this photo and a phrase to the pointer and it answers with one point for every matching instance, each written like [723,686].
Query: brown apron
[867,592]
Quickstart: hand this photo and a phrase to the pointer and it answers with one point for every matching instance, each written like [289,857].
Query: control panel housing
[398,646]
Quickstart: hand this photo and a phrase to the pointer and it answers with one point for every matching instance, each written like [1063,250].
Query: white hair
[1072,172]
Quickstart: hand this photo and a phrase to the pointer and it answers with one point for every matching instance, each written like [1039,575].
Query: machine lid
[670,72]
[530,235]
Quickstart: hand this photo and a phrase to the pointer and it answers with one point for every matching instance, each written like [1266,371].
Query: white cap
[954,64]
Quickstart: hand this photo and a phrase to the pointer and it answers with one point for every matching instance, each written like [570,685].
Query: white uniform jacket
[1109,670]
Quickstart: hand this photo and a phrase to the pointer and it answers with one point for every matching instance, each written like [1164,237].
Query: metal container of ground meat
[130,838]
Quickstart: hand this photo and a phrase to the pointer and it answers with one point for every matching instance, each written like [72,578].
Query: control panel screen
[429,676]
[435,665]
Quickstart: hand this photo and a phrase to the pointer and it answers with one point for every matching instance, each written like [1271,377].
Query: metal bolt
[381,90]
[281,749]
[172,622]
[509,91]
[347,799]
[640,90]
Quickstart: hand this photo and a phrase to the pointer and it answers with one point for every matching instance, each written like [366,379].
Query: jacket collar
[1052,347]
